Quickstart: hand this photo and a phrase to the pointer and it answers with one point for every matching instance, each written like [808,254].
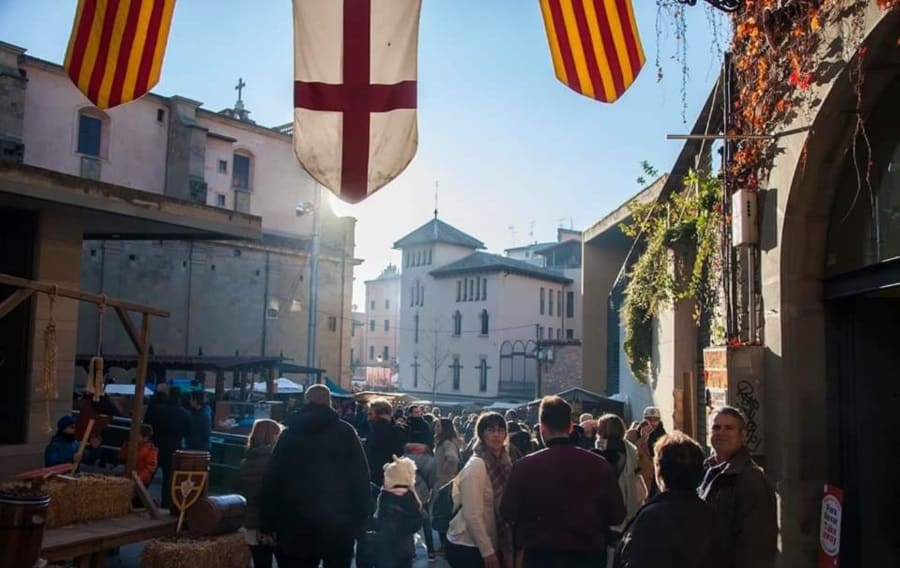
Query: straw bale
[226,551]
[85,497]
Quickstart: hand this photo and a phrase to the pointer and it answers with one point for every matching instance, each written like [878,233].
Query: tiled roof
[486,262]
[436,231]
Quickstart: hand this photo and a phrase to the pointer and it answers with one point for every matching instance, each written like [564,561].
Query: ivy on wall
[689,220]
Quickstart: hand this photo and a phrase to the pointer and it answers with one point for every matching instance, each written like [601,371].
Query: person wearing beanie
[417,428]
[398,515]
[63,446]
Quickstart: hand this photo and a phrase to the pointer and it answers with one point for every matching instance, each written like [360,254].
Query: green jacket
[744,502]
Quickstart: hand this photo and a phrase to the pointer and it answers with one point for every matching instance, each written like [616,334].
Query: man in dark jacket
[315,494]
[171,424]
[675,528]
[386,439]
[562,499]
[740,494]
[201,424]
[417,428]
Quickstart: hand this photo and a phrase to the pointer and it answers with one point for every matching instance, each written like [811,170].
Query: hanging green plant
[689,220]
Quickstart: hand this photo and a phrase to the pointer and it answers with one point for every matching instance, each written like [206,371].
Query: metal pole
[314,281]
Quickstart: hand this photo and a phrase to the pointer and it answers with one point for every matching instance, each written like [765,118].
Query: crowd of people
[498,492]
[561,493]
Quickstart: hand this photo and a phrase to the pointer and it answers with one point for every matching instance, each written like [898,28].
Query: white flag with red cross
[355,67]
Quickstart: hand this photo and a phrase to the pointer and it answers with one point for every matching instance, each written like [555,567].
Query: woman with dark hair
[260,443]
[478,537]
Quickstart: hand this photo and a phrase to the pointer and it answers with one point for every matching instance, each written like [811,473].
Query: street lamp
[314,209]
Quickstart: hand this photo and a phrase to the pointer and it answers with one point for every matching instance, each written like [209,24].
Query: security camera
[302,208]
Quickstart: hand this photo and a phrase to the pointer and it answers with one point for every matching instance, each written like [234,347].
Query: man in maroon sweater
[562,499]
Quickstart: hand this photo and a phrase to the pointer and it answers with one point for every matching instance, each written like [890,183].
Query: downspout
[265,306]
[187,326]
[343,295]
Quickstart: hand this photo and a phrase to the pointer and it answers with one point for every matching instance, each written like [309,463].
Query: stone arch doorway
[827,354]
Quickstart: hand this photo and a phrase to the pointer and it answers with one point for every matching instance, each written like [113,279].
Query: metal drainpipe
[265,306]
[187,327]
[314,284]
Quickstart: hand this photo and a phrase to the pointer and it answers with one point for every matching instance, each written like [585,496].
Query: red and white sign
[830,527]
[355,68]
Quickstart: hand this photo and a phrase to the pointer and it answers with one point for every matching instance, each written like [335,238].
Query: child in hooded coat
[398,516]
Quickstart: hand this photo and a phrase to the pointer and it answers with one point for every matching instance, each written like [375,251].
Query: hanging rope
[49,388]
[95,381]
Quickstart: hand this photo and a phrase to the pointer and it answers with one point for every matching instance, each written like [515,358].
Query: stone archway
[795,219]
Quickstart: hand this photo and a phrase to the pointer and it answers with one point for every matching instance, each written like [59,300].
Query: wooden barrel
[22,516]
[216,515]
[185,460]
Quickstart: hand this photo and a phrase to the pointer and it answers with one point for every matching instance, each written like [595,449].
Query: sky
[515,152]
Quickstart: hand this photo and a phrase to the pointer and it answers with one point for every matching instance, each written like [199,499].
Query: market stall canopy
[199,362]
[393,397]
[597,402]
[109,211]
[113,389]
[282,386]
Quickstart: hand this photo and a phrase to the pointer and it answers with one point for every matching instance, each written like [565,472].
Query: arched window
[483,375]
[485,321]
[416,328]
[457,324]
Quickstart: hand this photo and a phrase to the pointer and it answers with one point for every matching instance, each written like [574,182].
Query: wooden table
[88,542]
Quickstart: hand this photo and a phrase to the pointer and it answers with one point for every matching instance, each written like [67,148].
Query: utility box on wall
[734,376]
[744,218]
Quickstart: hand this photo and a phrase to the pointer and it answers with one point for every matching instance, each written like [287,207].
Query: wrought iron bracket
[724,5]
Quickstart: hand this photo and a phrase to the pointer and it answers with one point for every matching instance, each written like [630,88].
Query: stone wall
[223,298]
[564,372]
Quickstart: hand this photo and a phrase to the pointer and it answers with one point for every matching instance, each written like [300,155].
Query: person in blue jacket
[63,446]
[201,423]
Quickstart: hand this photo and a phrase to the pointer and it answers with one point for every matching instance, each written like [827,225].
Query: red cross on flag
[355,64]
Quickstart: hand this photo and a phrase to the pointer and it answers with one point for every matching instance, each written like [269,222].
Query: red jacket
[146,460]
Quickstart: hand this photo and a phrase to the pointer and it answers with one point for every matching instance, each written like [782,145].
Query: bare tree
[436,354]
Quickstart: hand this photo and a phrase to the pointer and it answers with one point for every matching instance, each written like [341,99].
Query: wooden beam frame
[79,295]
[27,288]
[14,300]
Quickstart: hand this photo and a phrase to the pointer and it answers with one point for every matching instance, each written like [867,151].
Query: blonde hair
[265,432]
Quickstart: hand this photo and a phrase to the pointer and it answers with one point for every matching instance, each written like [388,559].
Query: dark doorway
[17,234]
[864,411]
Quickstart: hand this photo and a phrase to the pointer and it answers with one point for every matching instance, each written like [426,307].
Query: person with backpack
[398,515]
[446,464]
[425,487]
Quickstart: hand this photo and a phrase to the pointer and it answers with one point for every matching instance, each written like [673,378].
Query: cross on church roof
[240,87]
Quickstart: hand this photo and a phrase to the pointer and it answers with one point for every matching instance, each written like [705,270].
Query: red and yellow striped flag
[116,48]
[595,45]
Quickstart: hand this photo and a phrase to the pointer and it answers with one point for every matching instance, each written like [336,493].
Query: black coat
[675,529]
[317,481]
[171,424]
[398,518]
[250,480]
[385,440]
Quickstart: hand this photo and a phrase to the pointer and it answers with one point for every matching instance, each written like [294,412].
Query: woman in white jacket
[477,536]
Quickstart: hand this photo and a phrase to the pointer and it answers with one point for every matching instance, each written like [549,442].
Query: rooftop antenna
[437,186]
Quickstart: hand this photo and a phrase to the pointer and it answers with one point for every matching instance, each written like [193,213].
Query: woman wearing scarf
[477,536]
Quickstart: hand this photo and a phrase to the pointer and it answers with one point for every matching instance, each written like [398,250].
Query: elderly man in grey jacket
[740,494]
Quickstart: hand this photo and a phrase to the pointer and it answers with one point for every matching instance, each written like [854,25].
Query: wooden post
[137,413]
[270,381]
[220,385]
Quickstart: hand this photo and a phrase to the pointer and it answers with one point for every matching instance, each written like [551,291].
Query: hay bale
[84,497]
[226,551]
